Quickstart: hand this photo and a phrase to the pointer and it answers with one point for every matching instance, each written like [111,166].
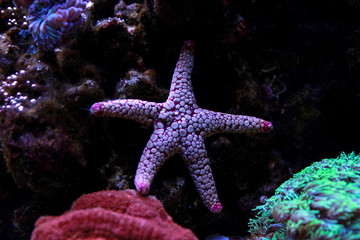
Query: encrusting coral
[109,215]
[40,150]
[320,202]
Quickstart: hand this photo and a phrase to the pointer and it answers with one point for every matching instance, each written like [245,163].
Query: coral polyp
[54,23]
[320,202]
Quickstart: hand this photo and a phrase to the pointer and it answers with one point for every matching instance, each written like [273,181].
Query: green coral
[320,202]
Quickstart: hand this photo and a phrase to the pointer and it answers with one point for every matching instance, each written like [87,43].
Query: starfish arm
[138,110]
[181,87]
[215,122]
[159,148]
[198,164]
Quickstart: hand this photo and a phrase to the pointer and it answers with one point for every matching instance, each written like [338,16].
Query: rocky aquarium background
[294,63]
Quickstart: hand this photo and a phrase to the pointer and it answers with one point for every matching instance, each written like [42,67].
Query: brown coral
[112,214]
[44,161]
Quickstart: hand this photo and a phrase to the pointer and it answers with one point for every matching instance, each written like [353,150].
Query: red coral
[109,215]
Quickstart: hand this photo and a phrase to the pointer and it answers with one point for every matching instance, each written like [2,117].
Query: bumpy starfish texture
[180,127]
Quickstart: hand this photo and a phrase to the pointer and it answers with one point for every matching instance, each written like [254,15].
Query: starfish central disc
[180,127]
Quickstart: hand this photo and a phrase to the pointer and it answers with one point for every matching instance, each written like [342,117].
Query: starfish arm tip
[96,109]
[267,126]
[142,187]
[216,208]
[189,45]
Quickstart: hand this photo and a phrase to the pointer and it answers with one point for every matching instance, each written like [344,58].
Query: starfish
[180,127]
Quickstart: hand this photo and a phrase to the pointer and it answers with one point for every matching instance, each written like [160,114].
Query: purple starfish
[180,127]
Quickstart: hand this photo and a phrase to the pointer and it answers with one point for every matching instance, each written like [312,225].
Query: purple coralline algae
[54,23]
